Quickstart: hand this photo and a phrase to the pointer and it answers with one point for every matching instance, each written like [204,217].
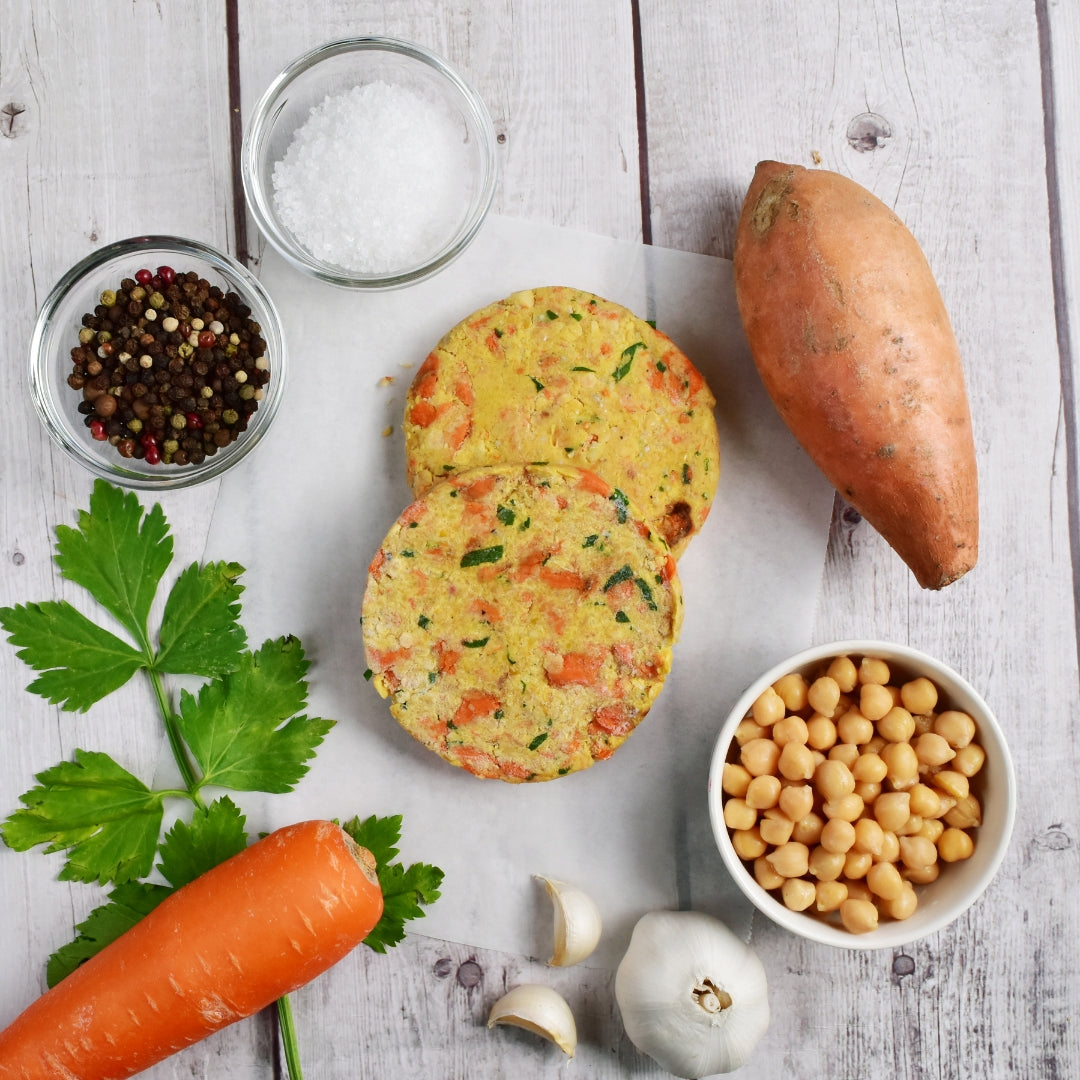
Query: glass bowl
[960,883]
[56,334]
[400,163]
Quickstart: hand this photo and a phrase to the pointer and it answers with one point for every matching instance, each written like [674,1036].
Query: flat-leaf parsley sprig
[245,729]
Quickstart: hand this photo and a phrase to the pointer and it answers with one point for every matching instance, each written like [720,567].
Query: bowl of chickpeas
[862,794]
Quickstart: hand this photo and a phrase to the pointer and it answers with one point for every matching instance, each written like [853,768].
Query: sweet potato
[853,343]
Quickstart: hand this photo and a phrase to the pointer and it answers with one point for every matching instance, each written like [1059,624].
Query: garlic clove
[538,1009]
[577,923]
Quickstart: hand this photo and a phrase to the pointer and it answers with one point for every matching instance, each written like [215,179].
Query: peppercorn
[169,367]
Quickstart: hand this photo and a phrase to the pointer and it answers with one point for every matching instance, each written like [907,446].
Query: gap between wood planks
[236,131]
[1061,310]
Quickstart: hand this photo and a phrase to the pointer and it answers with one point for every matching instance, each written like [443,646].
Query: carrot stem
[288,1037]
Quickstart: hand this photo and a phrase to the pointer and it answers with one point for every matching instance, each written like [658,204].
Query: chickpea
[932,828]
[738,815]
[969,760]
[910,827]
[932,749]
[797,801]
[867,790]
[843,672]
[792,690]
[890,846]
[848,753]
[735,779]
[925,801]
[790,860]
[919,696]
[768,707]
[897,725]
[955,727]
[846,808]
[808,829]
[869,767]
[924,875]
[869,836]
[902,763]
[892,809]
[955,845]
[966,814]
[823,695]
[826,865]
[790,729]
[798,894]
[748,843]
[874,701]
[883,879]
[872,670]
[917,852]
[857,864]
[796,761]
[821,732]
[853,727]
[924,722]
[859,916]
[952,783]
[765,875]
[857,889]
[775,827]
[830,895]
[903,907]
[833,779]
[749,730]
[837,836]
[762,792]
[760,756]
[874,745]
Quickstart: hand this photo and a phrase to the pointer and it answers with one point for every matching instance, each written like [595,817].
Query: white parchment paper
[306,512]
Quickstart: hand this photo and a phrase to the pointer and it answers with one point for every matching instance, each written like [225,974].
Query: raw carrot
[219,949]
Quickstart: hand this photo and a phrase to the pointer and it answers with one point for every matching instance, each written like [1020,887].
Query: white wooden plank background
[119,123]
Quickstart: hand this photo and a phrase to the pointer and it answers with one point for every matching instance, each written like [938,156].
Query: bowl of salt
[369,163]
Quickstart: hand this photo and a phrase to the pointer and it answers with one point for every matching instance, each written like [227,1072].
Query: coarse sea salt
[374,180]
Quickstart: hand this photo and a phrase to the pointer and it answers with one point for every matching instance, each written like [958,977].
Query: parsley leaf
[107,819]
[118,553]
[215,833]
[127,904]
[239,728]
[200,632]
[80,662]
[404,890]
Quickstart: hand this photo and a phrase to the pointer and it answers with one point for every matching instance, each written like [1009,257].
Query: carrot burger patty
[559,375]
[520,619]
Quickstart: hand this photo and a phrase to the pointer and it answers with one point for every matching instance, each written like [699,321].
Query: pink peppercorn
[167,274]
[144,276]
[97,431]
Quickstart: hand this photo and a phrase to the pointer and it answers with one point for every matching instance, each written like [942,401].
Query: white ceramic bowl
[960,883]
[338,68]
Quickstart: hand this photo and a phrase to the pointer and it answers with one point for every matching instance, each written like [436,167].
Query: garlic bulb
[577,923]
[692,995]
[538,1009]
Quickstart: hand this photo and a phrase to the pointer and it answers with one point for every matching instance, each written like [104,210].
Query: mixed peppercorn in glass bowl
[157,362]
[861,794]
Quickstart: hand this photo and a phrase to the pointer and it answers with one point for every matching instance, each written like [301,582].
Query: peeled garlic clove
[538,1009]
[577,923]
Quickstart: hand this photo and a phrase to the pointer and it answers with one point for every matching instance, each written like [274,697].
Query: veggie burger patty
[520,618]
[559,375]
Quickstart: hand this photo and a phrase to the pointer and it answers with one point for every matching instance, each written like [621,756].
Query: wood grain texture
[114,120]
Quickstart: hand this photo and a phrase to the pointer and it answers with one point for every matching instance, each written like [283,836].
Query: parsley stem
[176,744]
[288,1037]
